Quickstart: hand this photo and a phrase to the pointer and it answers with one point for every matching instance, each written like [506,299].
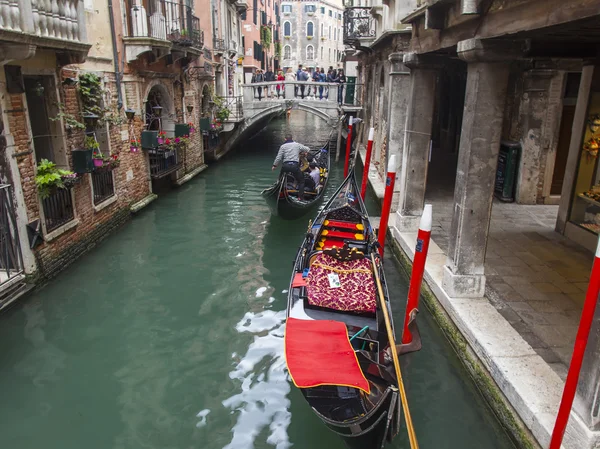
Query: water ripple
[263,401]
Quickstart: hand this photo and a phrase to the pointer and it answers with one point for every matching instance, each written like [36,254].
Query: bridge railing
[342,94]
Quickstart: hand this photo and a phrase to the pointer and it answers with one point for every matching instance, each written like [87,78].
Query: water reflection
[262,402]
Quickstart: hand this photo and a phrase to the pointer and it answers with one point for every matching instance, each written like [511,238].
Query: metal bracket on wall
[34,233]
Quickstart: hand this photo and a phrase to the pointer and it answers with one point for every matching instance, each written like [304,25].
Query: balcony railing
[235,106]
[219,46]
[164,20]
[358,24]
[11,260]
[164,162]
[58,209]
[103,186]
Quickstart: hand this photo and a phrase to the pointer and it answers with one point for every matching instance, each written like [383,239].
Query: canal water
[169,335]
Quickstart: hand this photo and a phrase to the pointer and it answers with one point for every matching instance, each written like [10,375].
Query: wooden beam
[523,17]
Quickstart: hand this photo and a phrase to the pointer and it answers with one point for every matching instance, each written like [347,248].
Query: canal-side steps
[14,289]
[522,389]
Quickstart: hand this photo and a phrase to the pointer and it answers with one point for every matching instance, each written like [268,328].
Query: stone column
[485,97]
[415,139]
[399,91]
[535,114]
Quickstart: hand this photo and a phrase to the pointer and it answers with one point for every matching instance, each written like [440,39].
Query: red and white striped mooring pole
[418,268]
[348,147]
[390,180]
[585,325]
[363,187]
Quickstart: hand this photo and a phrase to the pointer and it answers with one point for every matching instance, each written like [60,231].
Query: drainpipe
[115,55]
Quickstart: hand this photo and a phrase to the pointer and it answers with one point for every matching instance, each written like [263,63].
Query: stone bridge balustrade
[261,98]
[56,24]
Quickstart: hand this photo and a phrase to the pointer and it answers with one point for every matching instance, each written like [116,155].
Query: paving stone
[548,355]
[533,340]
[561,369]
[564,353]
[547,332]
[513,262]
[546,287]
[515,281]
[510,315]
[548,307]
[535,236]
[521,306]
[567,287]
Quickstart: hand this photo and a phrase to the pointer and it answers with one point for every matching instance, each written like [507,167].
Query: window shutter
[255,11]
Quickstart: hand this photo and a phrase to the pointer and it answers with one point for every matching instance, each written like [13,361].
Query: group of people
[290,155]
[318,76]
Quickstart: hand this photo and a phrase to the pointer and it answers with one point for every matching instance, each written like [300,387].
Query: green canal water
[169,335]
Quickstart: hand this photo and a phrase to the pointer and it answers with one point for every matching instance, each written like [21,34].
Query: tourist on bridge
[258,77]
[322,79]
[280,77]
[289,155]
[315,79]
[304,77]
[269,77]
[341,78]
[298,72]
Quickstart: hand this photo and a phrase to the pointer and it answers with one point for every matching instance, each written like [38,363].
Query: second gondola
[282,196]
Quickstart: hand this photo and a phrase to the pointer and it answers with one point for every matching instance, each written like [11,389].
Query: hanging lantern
[130,113]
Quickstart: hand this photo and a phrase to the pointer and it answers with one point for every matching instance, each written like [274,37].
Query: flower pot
[133,149]
[160,140]
[98,163]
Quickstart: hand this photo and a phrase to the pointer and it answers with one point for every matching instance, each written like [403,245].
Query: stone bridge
[261,99]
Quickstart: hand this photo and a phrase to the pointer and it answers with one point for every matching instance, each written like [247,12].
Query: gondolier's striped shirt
[290,152]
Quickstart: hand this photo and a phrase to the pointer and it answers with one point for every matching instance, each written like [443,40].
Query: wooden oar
[412,437]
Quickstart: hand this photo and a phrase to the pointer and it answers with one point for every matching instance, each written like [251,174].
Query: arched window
[310,53]
[310,29]
[287,29]
[287,52]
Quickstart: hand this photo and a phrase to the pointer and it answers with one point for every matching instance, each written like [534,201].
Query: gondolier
[289,156]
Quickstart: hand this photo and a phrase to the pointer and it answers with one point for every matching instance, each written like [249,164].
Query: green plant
[266,38]
[49,177]
[277,49]
[70,120]
[222,112]
[90,143]
[90,89]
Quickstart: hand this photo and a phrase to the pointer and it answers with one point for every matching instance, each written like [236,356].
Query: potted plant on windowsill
[161,137]
[49,178]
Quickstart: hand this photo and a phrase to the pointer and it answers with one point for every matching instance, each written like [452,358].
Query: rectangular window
[322,10]
[286,8]
[321,52]
[276,10]
[330,13]
[255,11]
[310,8]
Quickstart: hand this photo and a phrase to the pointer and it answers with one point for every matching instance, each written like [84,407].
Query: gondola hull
[365,420]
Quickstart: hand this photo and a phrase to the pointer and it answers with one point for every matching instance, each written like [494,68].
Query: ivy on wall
[266,36]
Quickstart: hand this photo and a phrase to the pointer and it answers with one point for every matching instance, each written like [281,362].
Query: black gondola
[339,241]
[282,197]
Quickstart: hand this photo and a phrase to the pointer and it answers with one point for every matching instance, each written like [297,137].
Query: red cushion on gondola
[318,352]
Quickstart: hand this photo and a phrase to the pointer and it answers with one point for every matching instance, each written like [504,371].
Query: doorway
[564,136]
[36,93]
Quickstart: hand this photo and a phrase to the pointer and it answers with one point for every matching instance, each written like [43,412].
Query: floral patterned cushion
[357,287]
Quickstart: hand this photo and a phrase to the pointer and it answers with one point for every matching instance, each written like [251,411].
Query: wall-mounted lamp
[157,111]
[70,81]
[130,113]
[190,108]
[91,120]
